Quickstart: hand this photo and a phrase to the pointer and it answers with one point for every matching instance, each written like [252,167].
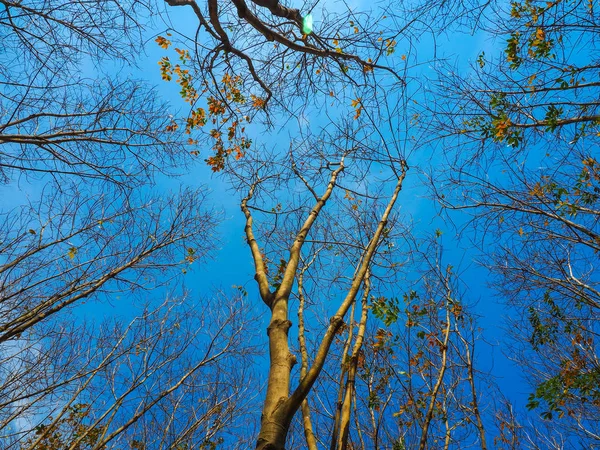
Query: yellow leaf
[539,33]
[257,102]
[72,252]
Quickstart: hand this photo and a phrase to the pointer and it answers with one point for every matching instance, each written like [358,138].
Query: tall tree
[320,219]
[525,121]
[412,381]
[157,380]
[84,144]
[309,233]
[61,112]
[80,150]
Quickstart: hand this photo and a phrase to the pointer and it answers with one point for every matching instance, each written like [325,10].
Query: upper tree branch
[259,263]
[197,11]
[272,35]
[337,320]
[289,274]
[279,10]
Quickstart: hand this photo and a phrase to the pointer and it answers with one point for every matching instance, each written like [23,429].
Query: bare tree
[305,235]
[93,146]
[419,385]
[168,377]
[56,120]
[87,143]
[70,248]
[524,122]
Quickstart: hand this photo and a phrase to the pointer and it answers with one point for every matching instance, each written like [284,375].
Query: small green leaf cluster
[386,309]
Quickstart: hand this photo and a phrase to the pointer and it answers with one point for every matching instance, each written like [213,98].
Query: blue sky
[231,264]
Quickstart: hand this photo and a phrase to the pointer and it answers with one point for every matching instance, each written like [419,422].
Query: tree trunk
[276,418]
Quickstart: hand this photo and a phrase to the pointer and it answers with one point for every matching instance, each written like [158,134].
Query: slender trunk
[345,412]
[448,431]
[373,418]
[309,434]
[476,411]
[340,398]
[357,424]
[438,384]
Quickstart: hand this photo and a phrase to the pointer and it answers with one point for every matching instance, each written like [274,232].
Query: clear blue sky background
[232,264]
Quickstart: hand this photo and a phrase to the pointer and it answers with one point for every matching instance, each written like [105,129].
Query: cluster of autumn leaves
[226,112]
[229,113]
[567,200]
[535,40]
[223,113]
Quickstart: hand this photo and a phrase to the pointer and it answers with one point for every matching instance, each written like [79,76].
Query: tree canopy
[416,187]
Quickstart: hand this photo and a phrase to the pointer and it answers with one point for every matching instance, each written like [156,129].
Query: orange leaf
[163,42]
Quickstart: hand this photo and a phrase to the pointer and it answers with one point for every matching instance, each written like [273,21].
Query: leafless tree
[418,384]
[55,119]
[519,134]
[71,248]
[316,247]
[171,376]
[90,227]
